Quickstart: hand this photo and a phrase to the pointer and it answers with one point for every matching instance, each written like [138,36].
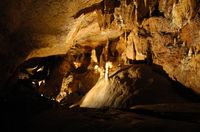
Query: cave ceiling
[162,32]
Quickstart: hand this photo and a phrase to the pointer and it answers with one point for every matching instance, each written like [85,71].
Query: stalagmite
[107,66]
[94,56]
[77,64]
[190,52]
[126,28]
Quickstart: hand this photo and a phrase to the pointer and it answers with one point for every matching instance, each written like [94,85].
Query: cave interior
[100,65]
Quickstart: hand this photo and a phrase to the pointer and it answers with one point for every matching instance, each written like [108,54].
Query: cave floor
[44,115]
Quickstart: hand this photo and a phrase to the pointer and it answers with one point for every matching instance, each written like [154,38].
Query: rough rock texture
[175,44]
[36,29]
[131,86]
[163,32]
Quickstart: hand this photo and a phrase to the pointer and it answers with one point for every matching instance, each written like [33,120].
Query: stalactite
[149,53]
[125,36]
[104,13]
[173,12]
[150,11]
[124,18]
[190,12]
[106,50]
[183,45]
[123,12]
[136,11]
[105,6]
[131,12]
[190,52]
[188,16]
[145,3]
[100,19]
[174,42]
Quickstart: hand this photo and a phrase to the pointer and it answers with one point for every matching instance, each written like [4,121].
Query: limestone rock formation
[161,32]
[129,86]
[36,29]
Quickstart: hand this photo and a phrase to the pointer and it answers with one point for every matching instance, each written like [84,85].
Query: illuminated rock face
[134,85]
[166,33]
[37,29]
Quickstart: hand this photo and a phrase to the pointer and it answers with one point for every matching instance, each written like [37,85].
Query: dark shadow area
[156,11]
[89,9]
[17,110]
[109,4]
[180,89]
[192,117]
[25,110]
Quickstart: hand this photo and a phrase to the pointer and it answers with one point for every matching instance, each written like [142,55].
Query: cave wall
[162,32]
[35,28]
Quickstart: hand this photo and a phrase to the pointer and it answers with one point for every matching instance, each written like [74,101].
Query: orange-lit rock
[36,29]
[134,85]
[162,32]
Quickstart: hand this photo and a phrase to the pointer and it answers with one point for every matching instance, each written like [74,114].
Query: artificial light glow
[41,82]
[94,56]
[107,66]
[77,64]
